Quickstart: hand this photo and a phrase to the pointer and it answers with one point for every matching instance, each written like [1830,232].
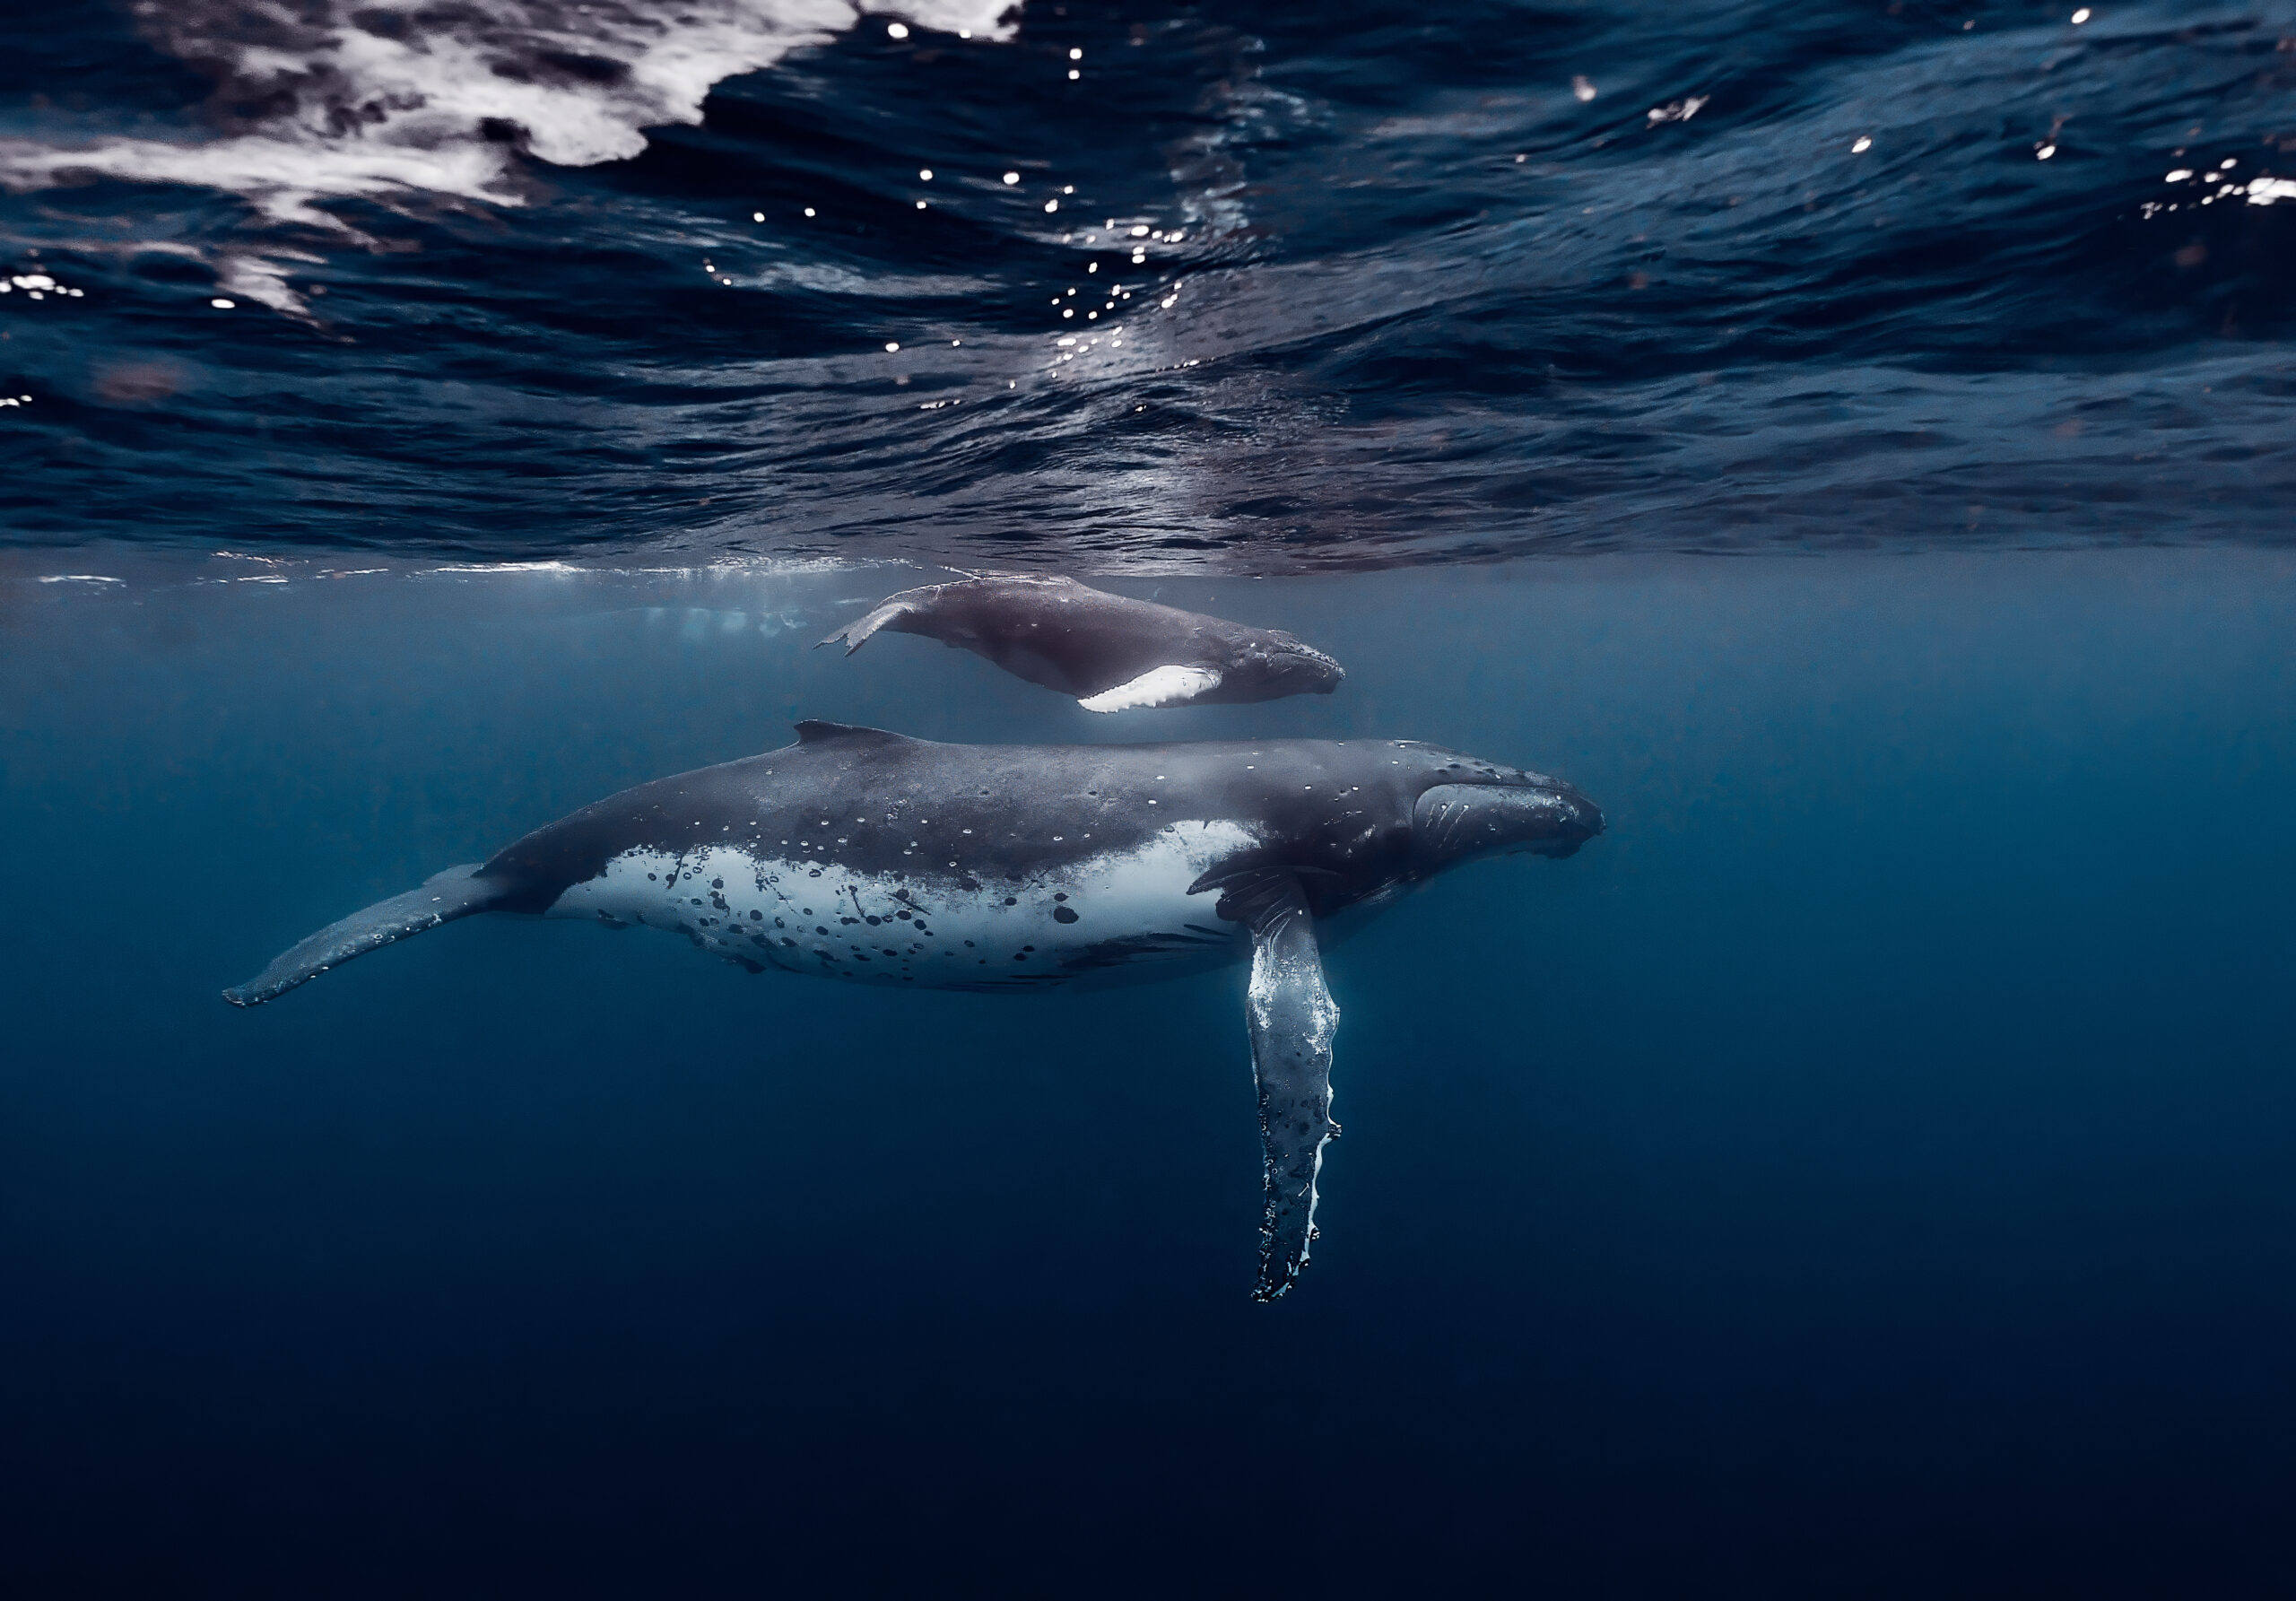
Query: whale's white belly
[1115,915]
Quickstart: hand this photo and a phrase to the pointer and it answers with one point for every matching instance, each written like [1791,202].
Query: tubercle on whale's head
[1521,812]
[1279,665]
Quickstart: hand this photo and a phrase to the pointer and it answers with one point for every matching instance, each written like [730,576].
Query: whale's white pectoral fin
[1158,686]
[1292,1019]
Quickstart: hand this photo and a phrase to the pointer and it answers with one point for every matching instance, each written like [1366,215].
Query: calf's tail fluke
[855,634]
[457,892]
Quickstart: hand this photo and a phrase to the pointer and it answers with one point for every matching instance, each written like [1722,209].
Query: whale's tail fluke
[855,634]
[457,892]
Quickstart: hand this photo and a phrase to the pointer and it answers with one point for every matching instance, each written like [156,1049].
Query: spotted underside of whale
[945,930]
[874,858]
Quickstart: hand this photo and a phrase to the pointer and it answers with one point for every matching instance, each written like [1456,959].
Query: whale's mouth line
[1451,822]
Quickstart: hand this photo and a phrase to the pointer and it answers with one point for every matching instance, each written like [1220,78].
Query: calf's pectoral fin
[1158,686]
[457,892]
[1291,1018]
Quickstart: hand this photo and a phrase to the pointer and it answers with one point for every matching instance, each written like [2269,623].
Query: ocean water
[522,277]
[1849,443]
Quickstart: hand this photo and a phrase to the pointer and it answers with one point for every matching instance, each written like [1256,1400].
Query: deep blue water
[1869,1169]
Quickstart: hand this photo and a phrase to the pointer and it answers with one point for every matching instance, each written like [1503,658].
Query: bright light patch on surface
[892,345]
[1052,205]
[375,116]
[925,174]
[1582,89]
[1862,145]
[1011,178]
[2080,16]
[897,30]
[221,304]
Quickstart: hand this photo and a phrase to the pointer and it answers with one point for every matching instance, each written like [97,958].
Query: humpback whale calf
[870,857]
[1113,653]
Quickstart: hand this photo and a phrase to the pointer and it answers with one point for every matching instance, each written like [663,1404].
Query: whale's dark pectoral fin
[1292,1019]
[457,892]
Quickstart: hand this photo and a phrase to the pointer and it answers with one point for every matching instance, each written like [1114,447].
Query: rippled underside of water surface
[530,280]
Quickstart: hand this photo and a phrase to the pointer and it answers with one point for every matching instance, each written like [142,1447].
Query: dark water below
[1827,275]
[1870,1168]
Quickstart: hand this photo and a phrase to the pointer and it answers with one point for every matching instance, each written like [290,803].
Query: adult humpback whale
[1112,652]
[867,856]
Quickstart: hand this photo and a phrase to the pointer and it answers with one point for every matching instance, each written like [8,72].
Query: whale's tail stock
[457,892]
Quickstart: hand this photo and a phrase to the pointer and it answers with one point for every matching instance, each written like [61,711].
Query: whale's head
[1275,665]
[1509,813]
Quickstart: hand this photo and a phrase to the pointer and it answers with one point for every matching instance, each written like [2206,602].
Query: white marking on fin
[1158,686]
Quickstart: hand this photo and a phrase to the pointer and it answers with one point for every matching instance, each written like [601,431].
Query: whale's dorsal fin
[812,731]
[1291,1018]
